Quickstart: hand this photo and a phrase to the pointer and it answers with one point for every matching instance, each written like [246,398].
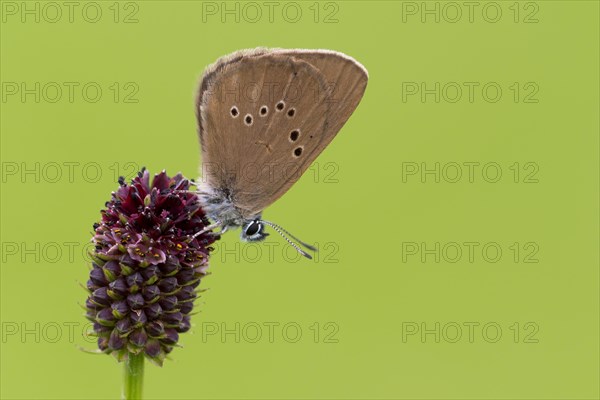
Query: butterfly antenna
[283,233]
[308,246]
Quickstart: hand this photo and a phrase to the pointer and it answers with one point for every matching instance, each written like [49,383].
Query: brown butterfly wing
[345,78]
[255,151]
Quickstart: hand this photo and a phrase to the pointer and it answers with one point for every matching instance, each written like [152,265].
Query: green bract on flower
[147,266]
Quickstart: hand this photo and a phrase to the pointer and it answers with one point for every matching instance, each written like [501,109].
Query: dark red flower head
[147,267]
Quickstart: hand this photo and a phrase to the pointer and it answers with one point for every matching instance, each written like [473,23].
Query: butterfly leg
[222,231]
[208,228]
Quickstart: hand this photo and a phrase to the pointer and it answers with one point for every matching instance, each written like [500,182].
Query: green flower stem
[133,377]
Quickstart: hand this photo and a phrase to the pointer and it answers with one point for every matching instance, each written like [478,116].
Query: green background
[365,290]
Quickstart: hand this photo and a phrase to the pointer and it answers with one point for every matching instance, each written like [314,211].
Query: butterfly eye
[234,111]
[248,119]
[254,231]
[298,151]
[263,111]
[291,112]
[280,106]
[253,228]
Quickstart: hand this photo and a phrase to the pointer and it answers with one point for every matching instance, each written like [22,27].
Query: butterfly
[264,115]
